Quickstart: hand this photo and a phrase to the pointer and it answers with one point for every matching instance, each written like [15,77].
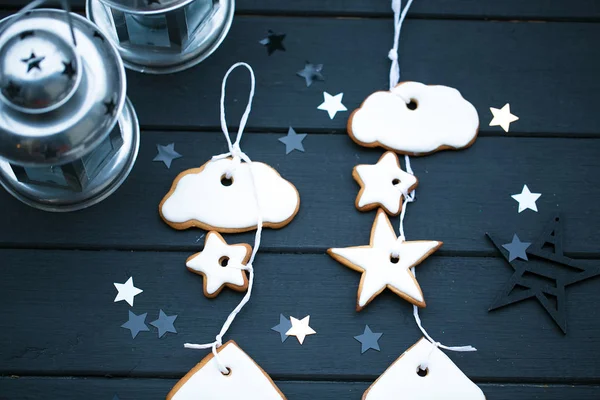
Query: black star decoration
[26,34]
[33,62]
[69,69]
[12,90]
[150,2]
[110,107]
[545,276]
[311,72]
[273,42]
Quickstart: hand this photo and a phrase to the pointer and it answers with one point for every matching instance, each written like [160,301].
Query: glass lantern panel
[198,12]
[148,30]
[93,162]
[47,176]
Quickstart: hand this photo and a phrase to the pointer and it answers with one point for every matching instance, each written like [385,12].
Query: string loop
[237,155]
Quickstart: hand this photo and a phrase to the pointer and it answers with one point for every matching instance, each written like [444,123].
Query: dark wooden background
[60,334]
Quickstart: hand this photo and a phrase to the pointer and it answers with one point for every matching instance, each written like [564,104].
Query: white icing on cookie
[245,381]
[220,264]
[443,118]
[444,380]
[383,184]
[386,262]
[200,198]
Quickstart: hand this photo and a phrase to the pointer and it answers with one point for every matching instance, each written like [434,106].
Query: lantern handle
[36,3]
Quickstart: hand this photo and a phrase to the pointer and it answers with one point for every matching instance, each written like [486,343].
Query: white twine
[237,156]
[399,16]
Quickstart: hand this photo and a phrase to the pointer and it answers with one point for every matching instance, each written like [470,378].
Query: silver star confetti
[516,249]
[164,323]
[311,73]
[166,154]
[293,141]
[136,324]
[368,340]
[283,326]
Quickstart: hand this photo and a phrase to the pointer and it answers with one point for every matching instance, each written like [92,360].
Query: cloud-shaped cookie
[442,119]
[202,197]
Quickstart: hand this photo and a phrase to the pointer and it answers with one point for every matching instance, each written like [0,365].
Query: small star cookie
[221,264]
[383,184]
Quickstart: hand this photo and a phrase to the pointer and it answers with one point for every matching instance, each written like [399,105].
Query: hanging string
[237,156]
[399,16]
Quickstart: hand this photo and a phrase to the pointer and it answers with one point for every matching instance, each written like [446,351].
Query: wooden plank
[461,195]
[507,9]
[59,318]
[35,388]
[491,63]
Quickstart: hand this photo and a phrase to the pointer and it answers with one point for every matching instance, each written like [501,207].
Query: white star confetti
[526,199]
[332,104]
[300,328]
[502,117]
[126,291]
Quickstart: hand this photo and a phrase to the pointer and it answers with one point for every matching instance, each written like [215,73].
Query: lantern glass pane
[148,30]
[199,12]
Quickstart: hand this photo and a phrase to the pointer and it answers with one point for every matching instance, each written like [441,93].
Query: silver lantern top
[146,6]
[56,105]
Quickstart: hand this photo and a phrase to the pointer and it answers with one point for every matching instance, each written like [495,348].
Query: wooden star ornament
[221,265]
[386,263]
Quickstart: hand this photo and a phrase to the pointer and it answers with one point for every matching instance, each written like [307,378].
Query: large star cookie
[221,264]
[386,262]
[383,184]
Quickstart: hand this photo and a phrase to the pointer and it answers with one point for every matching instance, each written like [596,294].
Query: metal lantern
[163,36]
[68,134]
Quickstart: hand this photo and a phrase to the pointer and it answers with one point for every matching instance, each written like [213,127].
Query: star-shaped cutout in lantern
[300,328]
[526,199]
[273,42]
[26,34]
[126,291]
[69,70]
[386,263]
[110,107]
[311,73]
[293,141]
[545,275]
[221,265]
[332,104]
[502,117]
[384,184]
[166,154]
[33,62]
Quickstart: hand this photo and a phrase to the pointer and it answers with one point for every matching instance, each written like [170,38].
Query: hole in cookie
[228,373]
[394,259]
[412,104]
[395,181]
[223,261]
[225,181]
[422,372]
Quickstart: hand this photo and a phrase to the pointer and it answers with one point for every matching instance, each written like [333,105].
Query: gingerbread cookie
[415,119]
[245,380]
[206,198]
[220,265]
[383,184]
[423,372]
[386,263]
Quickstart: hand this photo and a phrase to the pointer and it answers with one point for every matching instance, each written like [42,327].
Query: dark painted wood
[59,318]
[461,196]
[25,388]
[515,9]
[546,71]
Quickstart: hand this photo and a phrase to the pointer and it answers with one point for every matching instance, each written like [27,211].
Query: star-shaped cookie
[386,262]
[221,264]
[383,184]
